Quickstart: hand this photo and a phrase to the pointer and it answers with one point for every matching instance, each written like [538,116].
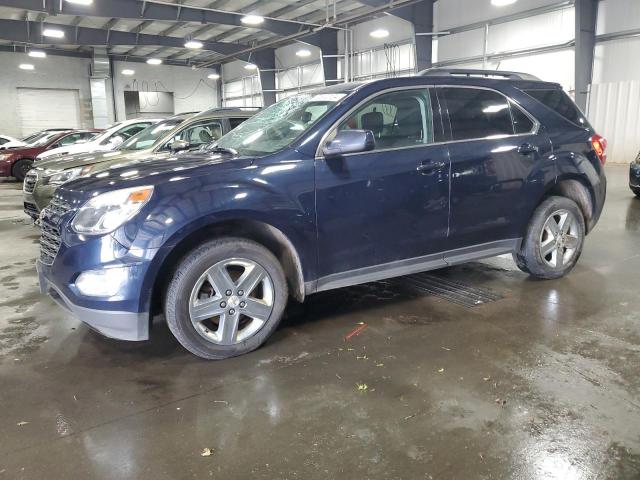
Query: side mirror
[349,141]
[116,141]
[178,145]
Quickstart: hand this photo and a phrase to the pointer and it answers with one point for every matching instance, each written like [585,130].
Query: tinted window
[397,119]
[234,122]
[558,101]
[477,113]
[521,122]
[73,138]
[3,141]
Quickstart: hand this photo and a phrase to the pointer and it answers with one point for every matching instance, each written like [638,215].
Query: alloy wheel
[560,238]
[231,301]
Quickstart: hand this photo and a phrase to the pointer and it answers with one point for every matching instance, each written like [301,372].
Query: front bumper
[634,176]
[39,198]
[120,325]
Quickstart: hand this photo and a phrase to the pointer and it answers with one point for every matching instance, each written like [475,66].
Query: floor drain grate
[455,292]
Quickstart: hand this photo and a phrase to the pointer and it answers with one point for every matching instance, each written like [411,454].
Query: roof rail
[465,72]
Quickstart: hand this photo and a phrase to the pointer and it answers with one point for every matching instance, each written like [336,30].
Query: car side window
[198,134]
[397,119]
[476,113]
[235,121]
[3,140]
[521,122]
[127,133]
[70,139]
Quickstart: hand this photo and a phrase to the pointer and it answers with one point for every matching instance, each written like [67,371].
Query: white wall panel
[618,15]
[617,61]
[552,67]
[461,45]
[547,29]
[455,13]
[614,111]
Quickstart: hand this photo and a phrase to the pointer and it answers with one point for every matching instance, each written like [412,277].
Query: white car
[108,140]
[8,142]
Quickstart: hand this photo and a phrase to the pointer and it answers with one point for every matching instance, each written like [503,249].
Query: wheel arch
[272,238]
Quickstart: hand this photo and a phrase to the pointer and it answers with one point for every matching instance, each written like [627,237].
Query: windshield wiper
[219,149]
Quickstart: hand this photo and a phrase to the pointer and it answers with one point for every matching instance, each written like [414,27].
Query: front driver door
[378,209]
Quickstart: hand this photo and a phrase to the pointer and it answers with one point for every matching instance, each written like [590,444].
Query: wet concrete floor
[541,384]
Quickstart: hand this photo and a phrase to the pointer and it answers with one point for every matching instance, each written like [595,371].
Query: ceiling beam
[31,32]
[153,10]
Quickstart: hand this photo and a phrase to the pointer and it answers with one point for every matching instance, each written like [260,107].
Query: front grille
[58,207]
[50,238]
[49,243]
[30,181]
[31,210]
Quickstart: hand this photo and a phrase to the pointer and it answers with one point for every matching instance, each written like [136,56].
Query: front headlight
[67,175]
[4,156]
[106,212]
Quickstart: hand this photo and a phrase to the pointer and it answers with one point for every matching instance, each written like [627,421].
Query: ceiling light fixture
[213,76]
[380,33]
[37,53]
[128,71]
[252,19]
[194,44]
[81,2]
[502,3]
[26,66]
[250,66]
[154,61]
[303,52]
[53,33]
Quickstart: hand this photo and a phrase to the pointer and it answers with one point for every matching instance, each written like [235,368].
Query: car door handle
[428,166]
[527,148]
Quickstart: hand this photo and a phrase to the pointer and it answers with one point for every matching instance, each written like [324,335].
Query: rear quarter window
[558,101]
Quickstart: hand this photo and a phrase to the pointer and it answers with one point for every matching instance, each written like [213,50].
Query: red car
[16,162]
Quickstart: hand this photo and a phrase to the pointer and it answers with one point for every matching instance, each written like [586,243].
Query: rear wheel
[554,239]
[21,167]
[225,298]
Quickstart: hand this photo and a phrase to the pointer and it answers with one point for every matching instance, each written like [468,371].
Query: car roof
[224,112]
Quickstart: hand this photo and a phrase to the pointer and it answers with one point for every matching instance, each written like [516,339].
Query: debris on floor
[207,452]
[356,331]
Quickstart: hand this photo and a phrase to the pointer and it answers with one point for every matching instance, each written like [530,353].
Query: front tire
[554,239]
[21,168]
[225,298]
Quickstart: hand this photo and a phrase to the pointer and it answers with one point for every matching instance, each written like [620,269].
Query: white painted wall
[50,72]
[192,90]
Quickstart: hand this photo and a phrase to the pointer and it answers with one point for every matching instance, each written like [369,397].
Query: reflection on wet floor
[374,381]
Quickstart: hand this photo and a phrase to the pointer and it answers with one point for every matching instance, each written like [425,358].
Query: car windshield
[147,137]
[44,139]
[33,137]
[279,125]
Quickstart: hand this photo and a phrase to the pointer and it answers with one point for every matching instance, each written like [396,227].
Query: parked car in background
[33,137]
[182,132]
[16,162]
[108,140]
[352,183]
[634,176]
[10,142]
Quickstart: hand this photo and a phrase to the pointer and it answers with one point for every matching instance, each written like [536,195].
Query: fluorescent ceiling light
[37,53]
[53,32]
[128,71]
[502,3]
[193,44]
[252,19]
[380,33]
[303,52]
[154,61]
[213,76]
[250,66]
[26,66]
[81,2]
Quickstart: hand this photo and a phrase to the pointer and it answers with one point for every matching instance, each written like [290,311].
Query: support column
[328,43]
[586,18]
[266,62]
[100,74]
[422,19]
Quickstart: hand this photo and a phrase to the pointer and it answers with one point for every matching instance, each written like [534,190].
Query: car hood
[71,149]
[85,159]
[155,170]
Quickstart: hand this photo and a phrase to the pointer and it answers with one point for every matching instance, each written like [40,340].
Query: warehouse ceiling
[142,29]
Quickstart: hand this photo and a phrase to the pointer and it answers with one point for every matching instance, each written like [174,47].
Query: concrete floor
[542,384]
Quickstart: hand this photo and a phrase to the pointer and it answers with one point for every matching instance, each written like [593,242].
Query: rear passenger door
[497,170]
[379,207]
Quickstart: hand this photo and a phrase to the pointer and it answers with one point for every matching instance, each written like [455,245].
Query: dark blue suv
[348,184]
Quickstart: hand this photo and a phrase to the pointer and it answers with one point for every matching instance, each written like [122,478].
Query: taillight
[599,144]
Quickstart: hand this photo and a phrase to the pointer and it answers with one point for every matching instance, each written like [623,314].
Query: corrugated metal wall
[614,111]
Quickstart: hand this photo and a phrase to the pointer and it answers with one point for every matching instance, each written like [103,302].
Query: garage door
[40,108]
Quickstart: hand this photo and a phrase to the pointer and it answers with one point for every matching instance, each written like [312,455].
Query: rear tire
[21,168]
[636,192]
[554,239]
[225,298]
